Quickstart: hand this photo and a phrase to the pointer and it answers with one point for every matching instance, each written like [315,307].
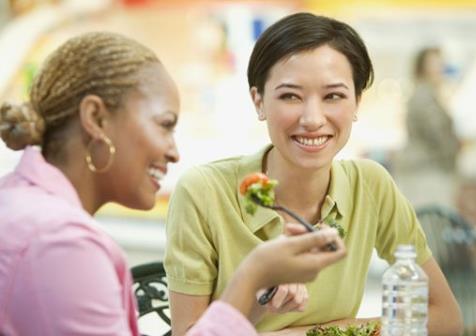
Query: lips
[156,174]
[311,143]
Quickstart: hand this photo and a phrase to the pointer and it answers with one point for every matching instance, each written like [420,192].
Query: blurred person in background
[306,76]
[464,107]
[426,169]
[99,128]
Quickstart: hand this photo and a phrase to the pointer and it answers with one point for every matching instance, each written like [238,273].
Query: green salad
[257,185]
[368,329]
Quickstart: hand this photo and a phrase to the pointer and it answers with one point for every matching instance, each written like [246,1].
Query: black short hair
[305,31]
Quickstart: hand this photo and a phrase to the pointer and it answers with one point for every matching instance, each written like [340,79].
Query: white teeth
[156,173]
[312,141]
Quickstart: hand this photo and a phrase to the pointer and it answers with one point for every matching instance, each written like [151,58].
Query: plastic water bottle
[404,296]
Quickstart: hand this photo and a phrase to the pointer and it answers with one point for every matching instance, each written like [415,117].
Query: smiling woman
[146,121]
[102,110]
[306,76]
[323,106]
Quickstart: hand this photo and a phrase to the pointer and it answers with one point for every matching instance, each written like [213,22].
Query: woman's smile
[311,143]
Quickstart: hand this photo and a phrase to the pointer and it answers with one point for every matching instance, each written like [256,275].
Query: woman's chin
[148,205]
[143,203]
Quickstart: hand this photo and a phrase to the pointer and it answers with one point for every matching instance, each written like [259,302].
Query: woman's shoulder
[369,173]
[368,179]
[222,172]
[363,168]
[30,200]
[31,216]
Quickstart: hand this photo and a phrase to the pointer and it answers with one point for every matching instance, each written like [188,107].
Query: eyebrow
[288,85]
[295,86]
[336,86]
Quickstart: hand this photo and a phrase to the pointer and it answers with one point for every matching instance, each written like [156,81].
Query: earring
[261,115]
[355,118]
[112,151]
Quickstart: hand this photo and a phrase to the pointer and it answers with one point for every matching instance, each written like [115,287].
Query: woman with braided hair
[97,100]
[99,128]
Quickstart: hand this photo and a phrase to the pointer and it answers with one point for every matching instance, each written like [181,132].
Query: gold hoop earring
[112,151]
[355,118]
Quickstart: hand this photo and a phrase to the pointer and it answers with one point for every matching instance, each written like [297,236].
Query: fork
[270,292]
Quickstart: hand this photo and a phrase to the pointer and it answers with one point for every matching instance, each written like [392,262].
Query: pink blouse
[60,274]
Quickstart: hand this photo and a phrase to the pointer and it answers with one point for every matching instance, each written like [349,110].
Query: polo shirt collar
[35,169]
[338,196]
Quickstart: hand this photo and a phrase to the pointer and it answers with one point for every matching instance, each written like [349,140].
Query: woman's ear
[257,102]
[92,115]
[355,116]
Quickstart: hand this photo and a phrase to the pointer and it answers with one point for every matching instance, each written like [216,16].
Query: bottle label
[405,308]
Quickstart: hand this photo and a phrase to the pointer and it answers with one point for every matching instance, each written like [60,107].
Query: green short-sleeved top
[209,233]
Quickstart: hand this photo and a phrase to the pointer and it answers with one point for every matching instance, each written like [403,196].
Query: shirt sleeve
[69,281]
[190,256]
[397,221]
[222,319]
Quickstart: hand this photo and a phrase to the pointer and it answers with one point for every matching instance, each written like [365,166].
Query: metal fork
[270,292]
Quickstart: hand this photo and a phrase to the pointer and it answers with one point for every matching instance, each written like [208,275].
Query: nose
[313,116]
[172,154]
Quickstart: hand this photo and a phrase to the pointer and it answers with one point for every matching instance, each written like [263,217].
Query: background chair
[150,289]
[453,243]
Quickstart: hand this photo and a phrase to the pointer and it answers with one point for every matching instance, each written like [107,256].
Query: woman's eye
[289,96]
[168,125]
[335,96]
[167,122]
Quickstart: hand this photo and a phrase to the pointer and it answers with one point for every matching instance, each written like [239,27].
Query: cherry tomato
[251,179]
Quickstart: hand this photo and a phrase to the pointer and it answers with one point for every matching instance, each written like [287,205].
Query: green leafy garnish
[257,186]
[367,329]
[333,224]
[262,191]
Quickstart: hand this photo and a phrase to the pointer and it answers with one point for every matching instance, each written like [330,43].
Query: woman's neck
[303,190]
[83,182]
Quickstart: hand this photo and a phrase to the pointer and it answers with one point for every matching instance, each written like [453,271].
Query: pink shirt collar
[34,168]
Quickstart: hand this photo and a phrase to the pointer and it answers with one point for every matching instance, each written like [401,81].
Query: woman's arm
[240,294]
[286,260]
[444,313]
[189,308]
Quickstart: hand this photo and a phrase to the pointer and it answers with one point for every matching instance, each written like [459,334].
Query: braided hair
[100,63]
